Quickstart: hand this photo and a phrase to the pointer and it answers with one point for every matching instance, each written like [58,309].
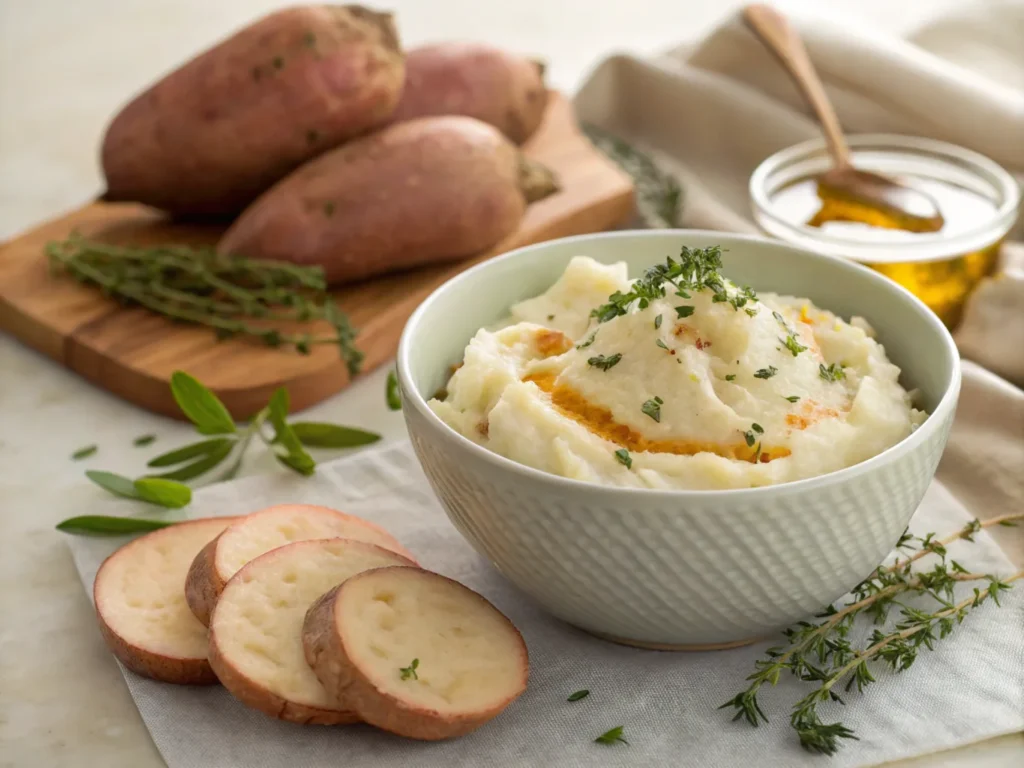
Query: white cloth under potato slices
[141,605]
[256,628]
[415,653]
[262,531]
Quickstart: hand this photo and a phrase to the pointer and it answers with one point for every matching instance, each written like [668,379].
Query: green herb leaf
[178,455]
[766,373]
[85,452]
[792,344]
[652,408]
[165,493]
[143,440]
[392,393]
[410,671]
[295,455]
[661,344]
[315,434]
[730,377]
[201,406]
[201,466]
[578,695]
[604,363]
[657,322]
[792,398]
[832,373]
[749,437]
[100,525]
[684,310]
[624,458]
[116,484]
[757,428]
[612,736]
[588,342]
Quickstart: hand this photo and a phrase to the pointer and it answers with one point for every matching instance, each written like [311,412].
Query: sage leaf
[101,525]
[201,406]
[293,455]
[320,435]
[178,455]
[116,484]
[392,393]
[163,492]
[202,465]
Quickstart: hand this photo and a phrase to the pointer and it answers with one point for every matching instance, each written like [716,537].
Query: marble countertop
[64,69]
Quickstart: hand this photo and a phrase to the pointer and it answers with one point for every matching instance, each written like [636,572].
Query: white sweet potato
[476,80]
[415,653]
[211,136]
[256,628]
[260,532]
[428,190]
[141,606]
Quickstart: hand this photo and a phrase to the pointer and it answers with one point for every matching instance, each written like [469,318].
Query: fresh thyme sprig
[231,295]
[823,653]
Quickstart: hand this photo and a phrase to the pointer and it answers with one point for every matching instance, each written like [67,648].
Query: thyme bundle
[823,652]
[231,295]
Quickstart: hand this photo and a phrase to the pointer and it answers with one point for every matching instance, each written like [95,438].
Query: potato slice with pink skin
[415,653]
[256,628]
[141,606]
[263,531]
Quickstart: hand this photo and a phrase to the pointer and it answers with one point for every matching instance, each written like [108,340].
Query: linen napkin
[971,687]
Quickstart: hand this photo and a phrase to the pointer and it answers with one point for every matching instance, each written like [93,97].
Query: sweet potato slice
[263,531]
[256,628]
[141,606]
[415,653]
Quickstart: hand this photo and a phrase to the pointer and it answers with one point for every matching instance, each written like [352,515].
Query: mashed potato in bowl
[678,380]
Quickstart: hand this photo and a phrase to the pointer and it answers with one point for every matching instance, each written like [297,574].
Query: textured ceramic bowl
[679,568]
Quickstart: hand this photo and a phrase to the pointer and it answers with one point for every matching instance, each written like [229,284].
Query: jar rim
[922,247]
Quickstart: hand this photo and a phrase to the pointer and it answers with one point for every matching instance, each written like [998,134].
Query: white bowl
[679,568]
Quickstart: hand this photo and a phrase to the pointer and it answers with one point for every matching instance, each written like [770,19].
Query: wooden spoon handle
[778,34]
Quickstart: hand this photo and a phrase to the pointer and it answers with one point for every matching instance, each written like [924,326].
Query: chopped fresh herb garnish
[626,460]
[730,377]
[781,320]
[588,342]
[684,310]
[832,373]
[657,322]
[661,344]
[578,695]
[604,363]
[751,311]
[329,209]
[652,408]
[143,440]
[749,437]
[696,270]
[766,373]
[792,398]
[410,671]
[792,344]
[757,428]
[612,736]
[658,400]
[85,452]
[551,317]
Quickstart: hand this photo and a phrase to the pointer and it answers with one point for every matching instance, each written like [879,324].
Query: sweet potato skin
[476,80]
[428,190]
[203,584]
[211,136]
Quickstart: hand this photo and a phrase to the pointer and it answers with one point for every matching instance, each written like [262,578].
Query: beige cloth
[711,113]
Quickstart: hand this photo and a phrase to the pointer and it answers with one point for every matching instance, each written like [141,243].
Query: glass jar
[979,200]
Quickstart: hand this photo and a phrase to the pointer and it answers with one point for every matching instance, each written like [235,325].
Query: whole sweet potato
[214,134]
[476,80]
[423,191]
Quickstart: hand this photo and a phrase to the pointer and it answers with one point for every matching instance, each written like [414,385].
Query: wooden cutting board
[132,353]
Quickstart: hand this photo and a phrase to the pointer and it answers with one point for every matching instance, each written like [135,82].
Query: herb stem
[968,530]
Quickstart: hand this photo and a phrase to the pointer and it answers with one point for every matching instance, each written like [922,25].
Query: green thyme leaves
[85,452]
[612,736]
[730,377]
[662,344]
[757,428]
[604,363]
[792,344]
[684,310]
[766,373]
[657,322]
[143,440]
[578,695]
[588,342]
[652,408]
[833,372]
[627,461]
[409,673]
[792,398]
[392,393]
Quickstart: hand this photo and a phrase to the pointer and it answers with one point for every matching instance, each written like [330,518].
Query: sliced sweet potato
[415,653]
[263,531]
[141,606]
[256,628]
